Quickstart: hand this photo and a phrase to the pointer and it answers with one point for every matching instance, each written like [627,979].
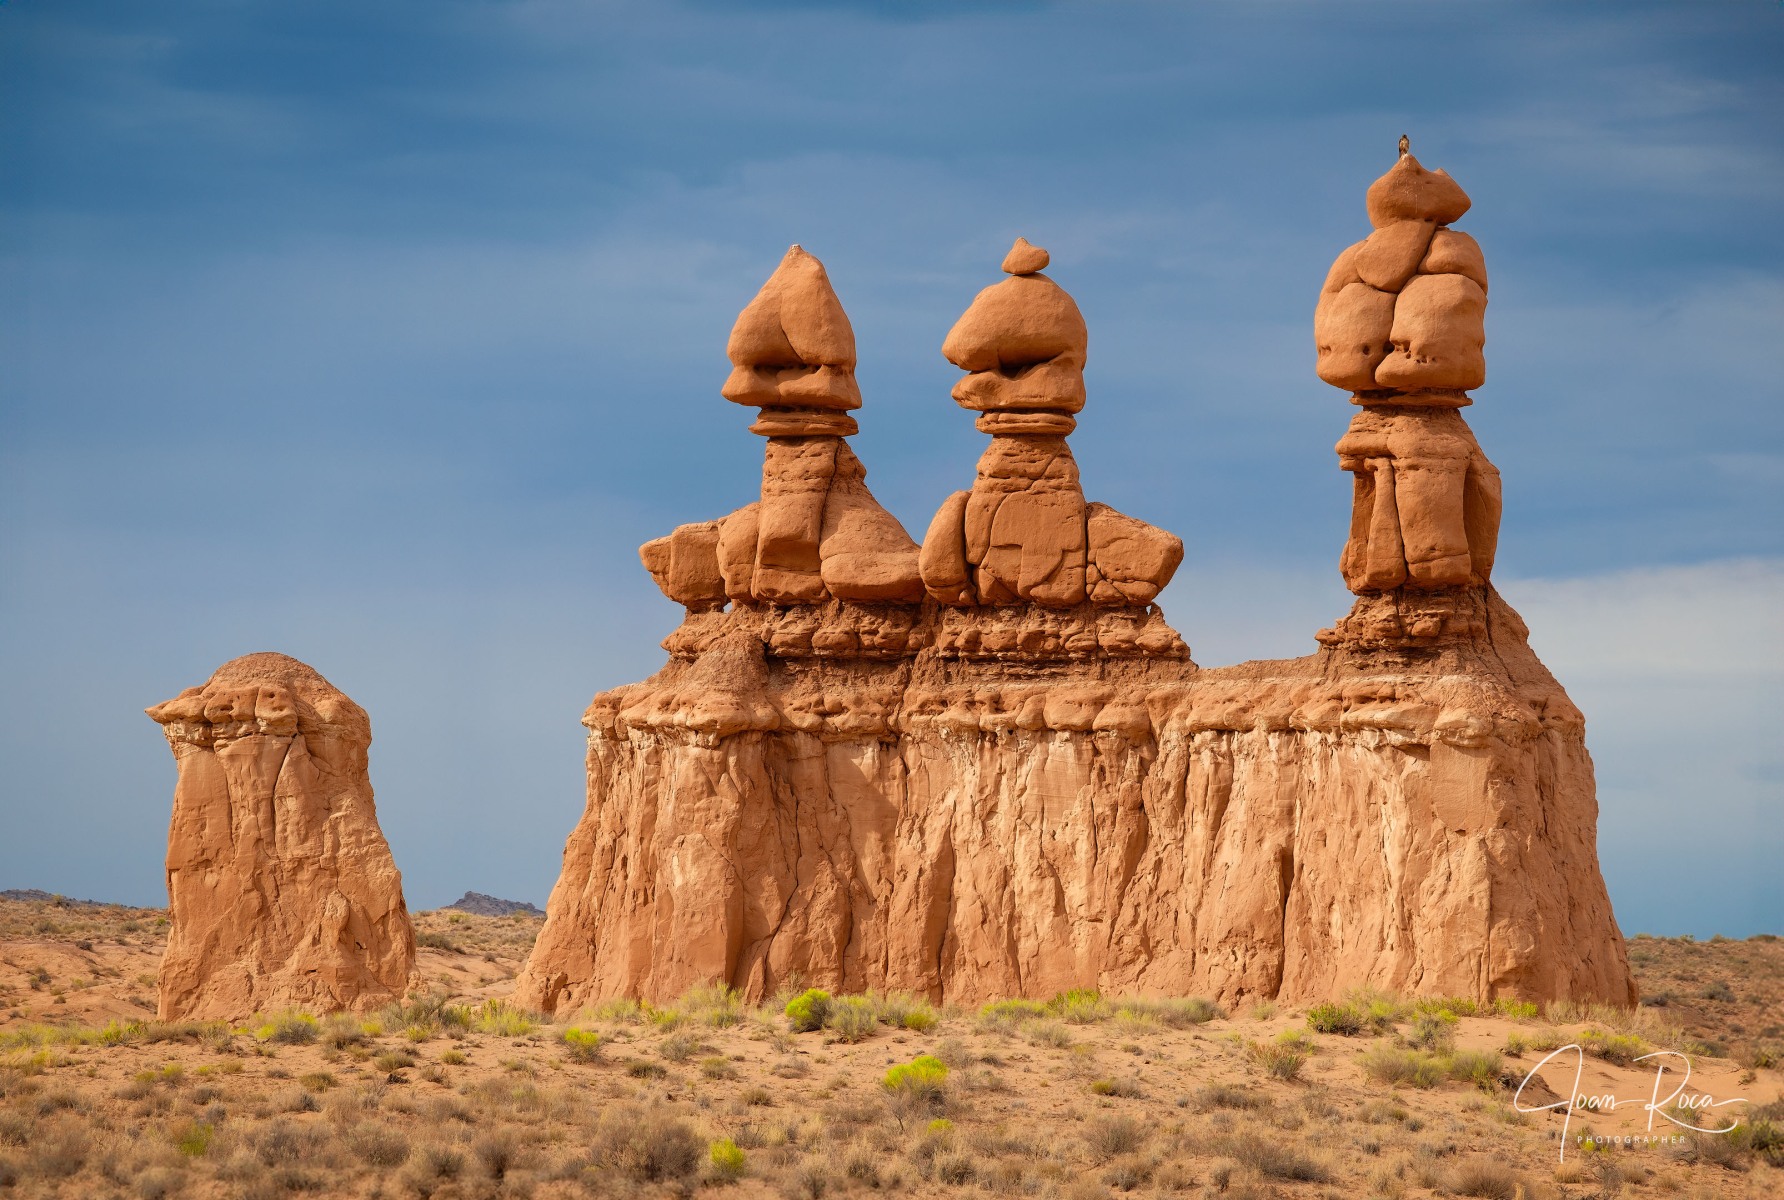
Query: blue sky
[381,334]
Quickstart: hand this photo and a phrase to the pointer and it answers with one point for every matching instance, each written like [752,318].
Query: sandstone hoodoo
[816,533]
[281,888]
[1024,532]
[1004,776]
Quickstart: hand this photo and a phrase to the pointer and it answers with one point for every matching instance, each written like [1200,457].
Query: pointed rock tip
[1025,259]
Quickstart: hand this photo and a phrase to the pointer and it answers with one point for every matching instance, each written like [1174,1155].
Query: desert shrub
[15,1128]
[861,1163]
[497,1153]
[1479,1067]
[1126,1174]
[1226,1095]
[620,1010]
[453,1058]
[1619,1048]
[1079,1006]
[1336,1018]
[712,1004]
[679,1047]
[852,1018]
[437,941]
[1393,1065]
[395,1060]
[956,1169]
[1282,1058]
[584,1045]
[1274,1156]
[904,1011]
[1120,1086]
[342,1030]
[1517,1010]
[923,1074]
[1047,1033]
[501,1019]
[284,1144]
[727,1161]
[378,1146]
[290,1028]
[643,1068]
[435,1164]
[1108,1137]
[1176,1013]
[192,1138]
[1434,1031]
[59,1150]
[645,1145]
[1005,1016]
[717,1066]
[1488,1179]
[809,1010]
[317,1081]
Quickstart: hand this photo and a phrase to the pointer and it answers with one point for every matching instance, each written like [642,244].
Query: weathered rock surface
[281,888]
[1038,812]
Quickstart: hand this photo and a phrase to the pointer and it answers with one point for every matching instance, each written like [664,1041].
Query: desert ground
[456,1094]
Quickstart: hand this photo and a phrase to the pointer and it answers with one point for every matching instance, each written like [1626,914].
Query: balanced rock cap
[792,346]
[1024,259]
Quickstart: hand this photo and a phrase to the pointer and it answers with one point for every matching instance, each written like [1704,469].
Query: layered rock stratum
[1018,781]
[281,888]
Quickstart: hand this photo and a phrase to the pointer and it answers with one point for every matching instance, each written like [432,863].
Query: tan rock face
[280,885]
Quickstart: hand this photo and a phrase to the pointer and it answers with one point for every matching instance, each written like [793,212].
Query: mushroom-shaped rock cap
[1408,192]
[270,688]
[795,320]
[1025,259]
[1025,319]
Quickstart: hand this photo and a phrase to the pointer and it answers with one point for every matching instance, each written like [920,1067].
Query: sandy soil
[459,1096]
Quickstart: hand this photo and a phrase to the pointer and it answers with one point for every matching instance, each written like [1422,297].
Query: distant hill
[489,906]
[29,894]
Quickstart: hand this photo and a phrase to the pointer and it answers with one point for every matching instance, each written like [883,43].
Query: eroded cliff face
[280,884]
[1420,819]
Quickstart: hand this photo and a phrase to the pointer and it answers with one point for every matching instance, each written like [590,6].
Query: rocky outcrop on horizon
[480,905]
[1017,781]
[281,888]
